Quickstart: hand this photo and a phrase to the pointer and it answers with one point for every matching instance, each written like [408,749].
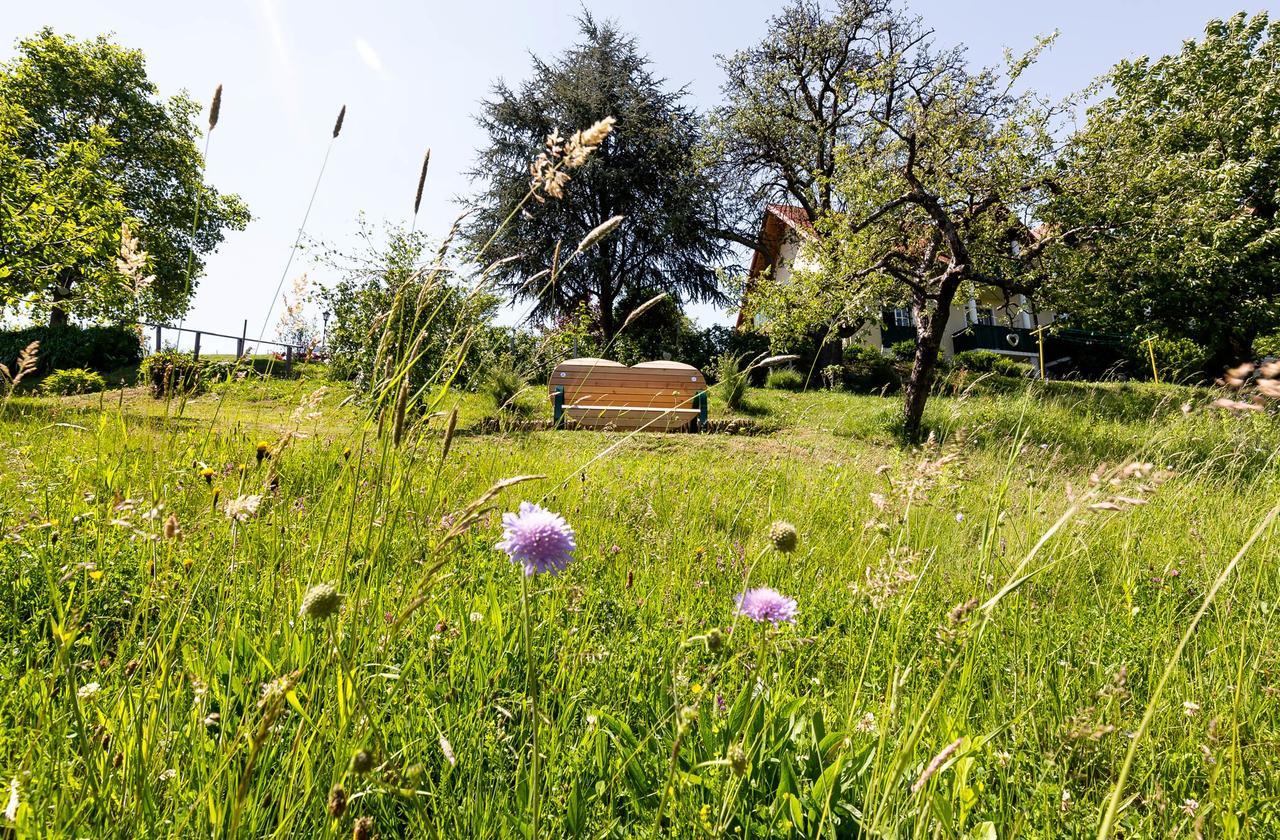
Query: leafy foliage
[646,171]
[102,349]
[867,370]
[1176,171]
[785,379]
[72,381]
[1178,359]
[56,215]
[171,373]
[987,361]
[393,306]
[83,118]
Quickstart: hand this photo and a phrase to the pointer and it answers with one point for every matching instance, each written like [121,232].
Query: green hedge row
[102,349]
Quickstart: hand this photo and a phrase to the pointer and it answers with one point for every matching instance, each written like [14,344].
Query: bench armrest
[557,406]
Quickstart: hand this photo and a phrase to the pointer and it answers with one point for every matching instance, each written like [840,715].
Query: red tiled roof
[795,217]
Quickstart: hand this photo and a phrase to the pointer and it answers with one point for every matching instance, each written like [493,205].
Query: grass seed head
[337,126]
[215,107]
[337,801]
[363,829]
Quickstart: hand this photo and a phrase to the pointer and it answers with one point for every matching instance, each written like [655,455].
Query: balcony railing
[994,337]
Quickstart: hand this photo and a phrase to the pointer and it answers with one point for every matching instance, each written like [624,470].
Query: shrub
[171,373]
[988,361]
[100,349]
[395,307]
[502,385]
[868,370]
[72,381]
[1267,346]
[1178,360]
[785,379]
[903,351]
[732,380]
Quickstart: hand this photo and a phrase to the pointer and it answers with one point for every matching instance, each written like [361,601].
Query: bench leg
[557,407]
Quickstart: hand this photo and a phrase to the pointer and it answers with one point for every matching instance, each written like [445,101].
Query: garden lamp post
[324,335]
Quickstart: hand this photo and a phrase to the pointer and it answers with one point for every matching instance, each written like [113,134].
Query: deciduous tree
[94,97]
[1178,169]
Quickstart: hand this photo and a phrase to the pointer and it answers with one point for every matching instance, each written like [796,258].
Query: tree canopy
[934,189]
[794,100]
[647,171]
[1178,170]
[88,106]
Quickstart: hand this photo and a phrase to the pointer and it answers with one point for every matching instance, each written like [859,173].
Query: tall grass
[649,688]
[996,635]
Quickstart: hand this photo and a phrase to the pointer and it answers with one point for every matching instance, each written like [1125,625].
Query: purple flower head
[765,604]
[537,539]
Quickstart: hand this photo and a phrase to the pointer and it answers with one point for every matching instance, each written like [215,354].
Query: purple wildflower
[538,539]
[766,604]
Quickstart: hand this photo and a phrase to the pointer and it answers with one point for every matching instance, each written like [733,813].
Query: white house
[987,323]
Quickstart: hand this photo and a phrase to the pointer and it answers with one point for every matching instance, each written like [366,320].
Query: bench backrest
[599,382]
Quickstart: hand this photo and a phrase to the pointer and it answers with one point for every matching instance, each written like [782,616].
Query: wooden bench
[654,396]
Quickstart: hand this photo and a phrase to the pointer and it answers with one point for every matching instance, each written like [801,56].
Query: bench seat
[653,396]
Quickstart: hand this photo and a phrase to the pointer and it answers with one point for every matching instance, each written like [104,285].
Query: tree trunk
[929,329]
[59,315]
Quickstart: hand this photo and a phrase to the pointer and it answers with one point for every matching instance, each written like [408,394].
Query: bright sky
[411,74]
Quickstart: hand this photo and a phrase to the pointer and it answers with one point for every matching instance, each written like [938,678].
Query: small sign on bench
[653,396]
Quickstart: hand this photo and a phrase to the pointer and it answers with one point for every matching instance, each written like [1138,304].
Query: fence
[290,352]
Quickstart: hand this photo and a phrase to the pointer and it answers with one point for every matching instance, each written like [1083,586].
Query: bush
[903,351]
[732,380]
[396,307]
[171,373]
[868,370]
[62,383]
[1178,360]
[988,361]
[101,349]
[1267,346]
[503,383]
[785,379]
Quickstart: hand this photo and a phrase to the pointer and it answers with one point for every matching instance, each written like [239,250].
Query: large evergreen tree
[647,171]
[67,98]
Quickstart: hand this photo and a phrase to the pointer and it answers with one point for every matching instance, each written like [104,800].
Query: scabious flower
[537,539]
[783,536]
[766,604]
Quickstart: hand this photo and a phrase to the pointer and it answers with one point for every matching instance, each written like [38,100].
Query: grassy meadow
[987,640]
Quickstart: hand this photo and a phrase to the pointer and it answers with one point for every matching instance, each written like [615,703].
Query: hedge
[101,349]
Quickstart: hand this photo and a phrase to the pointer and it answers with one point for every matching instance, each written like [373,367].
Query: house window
[982,315]
[902,317]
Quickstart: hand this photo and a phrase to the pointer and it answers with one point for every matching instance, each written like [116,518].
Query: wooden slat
[560,376]
[597,420]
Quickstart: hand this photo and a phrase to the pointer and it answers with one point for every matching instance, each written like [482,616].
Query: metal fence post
[158,338]
[195,356]
[288,360]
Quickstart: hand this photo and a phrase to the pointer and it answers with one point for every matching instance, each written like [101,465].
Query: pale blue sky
[411,74]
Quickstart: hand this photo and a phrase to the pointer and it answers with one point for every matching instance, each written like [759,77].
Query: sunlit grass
[134,701]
